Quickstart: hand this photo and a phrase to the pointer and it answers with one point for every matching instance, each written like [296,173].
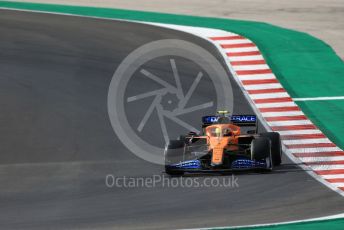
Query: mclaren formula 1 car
[223,146]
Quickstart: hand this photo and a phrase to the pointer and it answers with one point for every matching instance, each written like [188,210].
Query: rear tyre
[174,154]
[276,148]
[261,150]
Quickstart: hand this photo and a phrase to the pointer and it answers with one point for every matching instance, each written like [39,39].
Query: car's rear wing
[244,120]
[239,120]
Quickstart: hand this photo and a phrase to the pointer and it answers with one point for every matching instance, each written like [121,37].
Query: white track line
[338,216]
[319,98]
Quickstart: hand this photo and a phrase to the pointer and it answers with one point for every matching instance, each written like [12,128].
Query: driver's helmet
[218,131]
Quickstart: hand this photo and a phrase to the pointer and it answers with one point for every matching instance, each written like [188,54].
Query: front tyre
[276,147]
[261,150]
[174,152]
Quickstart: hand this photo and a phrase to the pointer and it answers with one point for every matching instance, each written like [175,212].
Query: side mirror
[253,131]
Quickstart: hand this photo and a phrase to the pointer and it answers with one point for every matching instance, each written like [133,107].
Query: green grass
[335,224]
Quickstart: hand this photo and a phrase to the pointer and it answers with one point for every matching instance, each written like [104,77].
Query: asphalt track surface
[320,18]
[57,144]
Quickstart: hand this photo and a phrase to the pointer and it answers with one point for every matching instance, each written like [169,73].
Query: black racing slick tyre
[276,147]
[261,150]
[174,152]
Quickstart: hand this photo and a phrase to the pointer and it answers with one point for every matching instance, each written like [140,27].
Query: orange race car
[222,146]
